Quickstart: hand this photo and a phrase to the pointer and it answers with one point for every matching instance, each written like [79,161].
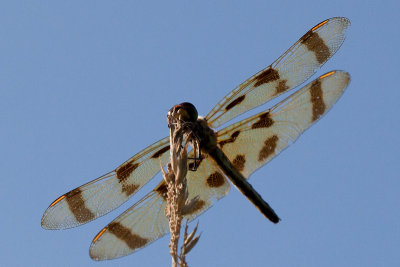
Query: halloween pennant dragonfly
[247,144]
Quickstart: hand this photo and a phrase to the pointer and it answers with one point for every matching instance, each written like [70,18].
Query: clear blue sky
[84,85]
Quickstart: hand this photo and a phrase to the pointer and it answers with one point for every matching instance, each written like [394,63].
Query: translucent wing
[251,143]
[145,221]
[107,192]
[291,69]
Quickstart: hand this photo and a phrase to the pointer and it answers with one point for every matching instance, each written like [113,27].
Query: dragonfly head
[184,112]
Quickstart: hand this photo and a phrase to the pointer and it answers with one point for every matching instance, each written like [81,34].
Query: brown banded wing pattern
[257,140]
[104,194]
[291,69]
[249,144]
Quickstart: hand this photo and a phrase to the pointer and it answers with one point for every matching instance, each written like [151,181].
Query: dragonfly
[247,145]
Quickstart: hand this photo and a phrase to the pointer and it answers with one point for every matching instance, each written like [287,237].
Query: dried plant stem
[177,195]
[177,189]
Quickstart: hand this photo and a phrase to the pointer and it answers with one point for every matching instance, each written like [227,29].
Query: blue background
[84,85]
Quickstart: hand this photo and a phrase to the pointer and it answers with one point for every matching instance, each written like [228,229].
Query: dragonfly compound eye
[186,112]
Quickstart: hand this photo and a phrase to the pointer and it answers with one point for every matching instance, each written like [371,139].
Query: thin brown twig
[177,194]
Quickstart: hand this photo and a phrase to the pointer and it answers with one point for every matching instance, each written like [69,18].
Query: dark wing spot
[77,206]
[266,76]
[160,152]
[317,45]
[133,241]
[239,162]
[235,102]
[317,100]
[230,139]
[281,87]
[125,170]
[216,179]
[129,189]
[199,205]
[264,121]
[268,148]
[162,189]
